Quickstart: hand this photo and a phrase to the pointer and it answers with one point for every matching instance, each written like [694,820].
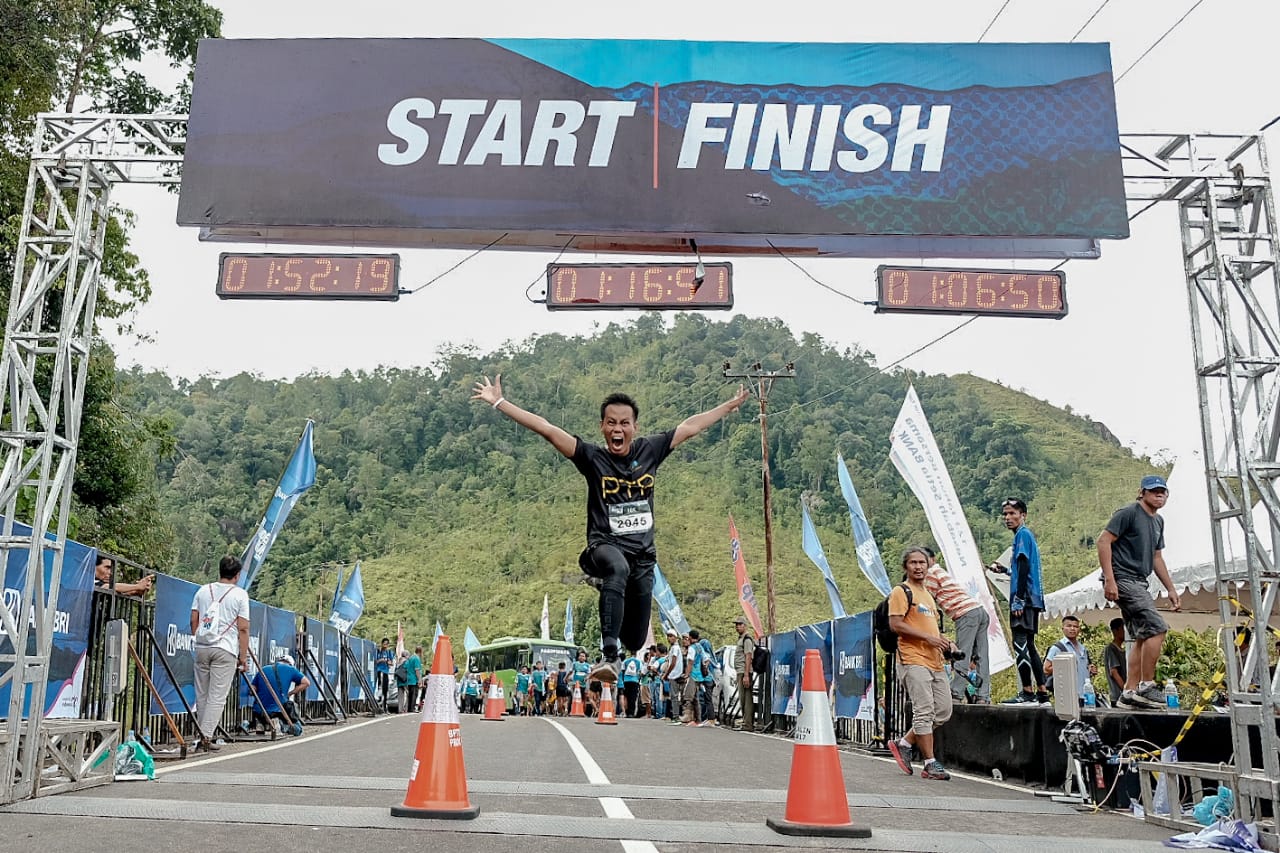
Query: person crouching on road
[920,650]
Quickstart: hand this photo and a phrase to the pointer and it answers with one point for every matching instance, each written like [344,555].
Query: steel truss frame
[75,161]
[1219,181]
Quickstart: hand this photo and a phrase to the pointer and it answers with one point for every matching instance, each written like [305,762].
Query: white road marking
[614,807]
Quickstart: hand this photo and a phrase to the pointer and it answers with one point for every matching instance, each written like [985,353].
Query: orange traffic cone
[605,716]
[816,801]
[494,703]
[438,779]
[576,709]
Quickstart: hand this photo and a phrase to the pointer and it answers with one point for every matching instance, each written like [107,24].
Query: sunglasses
[1013,502]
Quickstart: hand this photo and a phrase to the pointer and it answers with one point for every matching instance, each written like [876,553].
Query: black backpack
[880,622]
[760,660]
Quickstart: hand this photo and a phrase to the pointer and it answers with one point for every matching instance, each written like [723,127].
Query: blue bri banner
[299,475]
[177,646]
[869,559]
[853,657]
[348,606]
[782,659]
[813,548]
[70,623]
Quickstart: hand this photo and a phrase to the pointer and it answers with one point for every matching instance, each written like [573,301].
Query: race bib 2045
[634,517]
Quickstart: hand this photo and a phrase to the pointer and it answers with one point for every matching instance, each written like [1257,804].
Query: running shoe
[1044,698]
[934,770]
[1152,695]
[1022,697]
[605,672]
[900,754]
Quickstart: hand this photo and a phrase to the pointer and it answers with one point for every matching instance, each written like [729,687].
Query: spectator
[471,693]
[1114,660]
[1129,550]
[1070,644]
[971,621]
[220,626]
[1026,602]
[920,650]
[702,677]
[743,673]
[383,661]
[658,684]
[674,675]
[538,687]
[563,691]
[103,574]
[631,670]
[285,682]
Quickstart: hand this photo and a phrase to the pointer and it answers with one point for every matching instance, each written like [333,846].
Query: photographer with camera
[913,616]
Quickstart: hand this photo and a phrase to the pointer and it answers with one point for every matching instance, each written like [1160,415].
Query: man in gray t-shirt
[1129,550]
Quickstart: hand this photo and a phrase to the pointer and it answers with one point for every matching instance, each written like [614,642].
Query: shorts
[1141,619]
[594,687]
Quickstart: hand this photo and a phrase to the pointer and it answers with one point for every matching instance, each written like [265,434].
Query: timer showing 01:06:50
[1005,293]
[658,286]
[306,277]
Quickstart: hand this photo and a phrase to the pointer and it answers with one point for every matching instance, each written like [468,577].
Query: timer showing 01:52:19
[270,275]
[940,290]
[658,286]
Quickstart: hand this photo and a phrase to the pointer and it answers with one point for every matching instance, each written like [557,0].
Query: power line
[1156,43]
[1086,24]
[993,20]
[814,279]
[490,245]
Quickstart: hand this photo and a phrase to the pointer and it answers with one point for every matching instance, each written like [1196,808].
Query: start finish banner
[861,147]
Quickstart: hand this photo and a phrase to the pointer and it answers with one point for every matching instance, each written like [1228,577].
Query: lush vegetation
[460,516]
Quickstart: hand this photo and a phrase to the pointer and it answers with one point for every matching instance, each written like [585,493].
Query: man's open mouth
[615,441]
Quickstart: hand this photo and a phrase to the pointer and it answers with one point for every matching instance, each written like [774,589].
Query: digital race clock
[1006,293]
[279,276]
[653,286]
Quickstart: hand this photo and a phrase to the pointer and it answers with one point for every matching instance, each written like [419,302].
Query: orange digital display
[280,276]
[940,290]
[660,286]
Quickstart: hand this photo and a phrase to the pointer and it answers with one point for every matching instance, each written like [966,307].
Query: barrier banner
[313,651]
[817,636]
[361,652]
[331,640]
[945,150]
[853,654]
[257,624]
[67,655]
[916,455]
[782,658]
[177,645]
[279,634]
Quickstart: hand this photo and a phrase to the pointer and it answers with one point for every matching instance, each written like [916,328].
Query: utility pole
[761,381]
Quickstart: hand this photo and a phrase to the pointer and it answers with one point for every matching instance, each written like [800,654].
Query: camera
[953,656]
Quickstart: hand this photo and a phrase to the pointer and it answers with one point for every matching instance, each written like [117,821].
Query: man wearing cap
[1129,550]
[275,684]
[742,665]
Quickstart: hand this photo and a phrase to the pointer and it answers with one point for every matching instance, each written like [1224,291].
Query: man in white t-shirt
[220,626]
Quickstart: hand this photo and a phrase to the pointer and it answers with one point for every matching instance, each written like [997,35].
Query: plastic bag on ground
[1235,835]
[1163,798]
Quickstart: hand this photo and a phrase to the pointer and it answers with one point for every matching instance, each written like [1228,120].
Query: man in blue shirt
[275,684]
[382,663]
[413,675]
[631,668]
[1026,603]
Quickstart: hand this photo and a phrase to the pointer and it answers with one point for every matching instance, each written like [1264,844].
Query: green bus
[506,655]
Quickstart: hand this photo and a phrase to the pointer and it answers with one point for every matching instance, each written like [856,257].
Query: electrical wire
[993,20]
[813,278]
[1156,43]
[1086,24]
[486,247]
[542,275]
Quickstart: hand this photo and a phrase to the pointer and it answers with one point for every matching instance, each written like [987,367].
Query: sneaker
[1152,693]
[1022,697]
[900,754]
[934,770]
[1043,697]
[1147,697]
[606,672]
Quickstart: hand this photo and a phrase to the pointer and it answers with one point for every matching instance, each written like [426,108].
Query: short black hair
[618,399]
[1117,622]
[694,635]
[1017,503]
[228,567]
[1071,617]
[386,639]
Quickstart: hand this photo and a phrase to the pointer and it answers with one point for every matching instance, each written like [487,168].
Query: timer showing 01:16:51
[269,275]
[658,286]
[939,290]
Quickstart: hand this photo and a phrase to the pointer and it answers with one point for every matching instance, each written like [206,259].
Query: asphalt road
[568,785]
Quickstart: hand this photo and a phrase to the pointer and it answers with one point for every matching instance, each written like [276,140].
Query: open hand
[490,392]
[738,399]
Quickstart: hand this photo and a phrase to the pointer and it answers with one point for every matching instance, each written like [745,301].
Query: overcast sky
[1122,356]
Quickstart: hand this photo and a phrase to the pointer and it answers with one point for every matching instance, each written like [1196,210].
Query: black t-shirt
[1138,537]
[620,492]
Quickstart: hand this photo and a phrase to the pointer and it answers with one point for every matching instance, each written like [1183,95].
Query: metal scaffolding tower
[1227,216]
[48,334]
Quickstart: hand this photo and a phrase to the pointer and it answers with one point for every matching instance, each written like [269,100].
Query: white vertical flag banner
[916,456]
[546,618]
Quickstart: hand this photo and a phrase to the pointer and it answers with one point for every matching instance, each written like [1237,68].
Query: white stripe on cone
[438,705]
[814,727]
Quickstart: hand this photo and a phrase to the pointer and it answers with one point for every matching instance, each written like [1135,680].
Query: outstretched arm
[491,393]
[695,424]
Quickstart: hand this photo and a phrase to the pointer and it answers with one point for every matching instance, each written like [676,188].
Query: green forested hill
[460,516]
